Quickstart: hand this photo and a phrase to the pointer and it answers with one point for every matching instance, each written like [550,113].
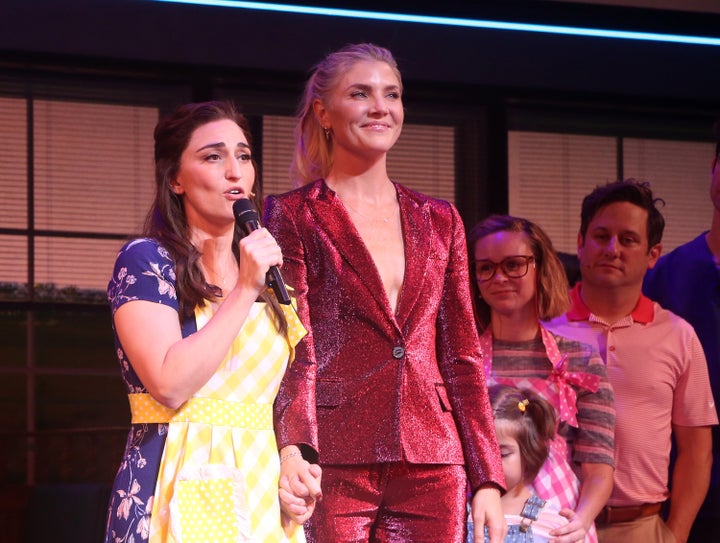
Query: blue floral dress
[143,271]
[207,445]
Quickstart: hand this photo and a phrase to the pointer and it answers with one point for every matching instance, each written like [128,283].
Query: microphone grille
[244,210]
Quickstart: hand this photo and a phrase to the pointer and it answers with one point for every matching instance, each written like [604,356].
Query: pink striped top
[657,369]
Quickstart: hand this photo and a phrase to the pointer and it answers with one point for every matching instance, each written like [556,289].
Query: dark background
[134,34]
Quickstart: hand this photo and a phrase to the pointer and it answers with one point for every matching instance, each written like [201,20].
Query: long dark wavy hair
[167,220]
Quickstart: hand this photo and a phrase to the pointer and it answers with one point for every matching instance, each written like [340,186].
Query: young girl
[525,425]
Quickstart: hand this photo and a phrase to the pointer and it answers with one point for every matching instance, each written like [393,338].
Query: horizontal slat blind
[14,261]
[679,173]
[93,166]
[14,187]
[278,145]
[423,159]
[549,174]
[13,163]
[82,263]
[92,173]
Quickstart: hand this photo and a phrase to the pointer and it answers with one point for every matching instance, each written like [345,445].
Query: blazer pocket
[329,392]
[443,397]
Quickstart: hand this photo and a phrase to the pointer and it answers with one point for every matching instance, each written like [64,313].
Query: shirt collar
[644,311]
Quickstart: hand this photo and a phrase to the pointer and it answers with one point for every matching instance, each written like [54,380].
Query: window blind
[550,173]
[84,263]
[679,173]
[93,166]
[93,174]
[92,177]
[14,187]
[13,163]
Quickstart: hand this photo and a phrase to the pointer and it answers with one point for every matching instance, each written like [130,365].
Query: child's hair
[533,420]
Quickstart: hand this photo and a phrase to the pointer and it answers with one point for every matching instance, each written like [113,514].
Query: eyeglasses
[513,267]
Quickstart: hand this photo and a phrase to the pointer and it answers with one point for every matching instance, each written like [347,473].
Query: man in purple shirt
[687,282]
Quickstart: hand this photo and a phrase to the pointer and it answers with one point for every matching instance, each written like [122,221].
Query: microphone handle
[275,281]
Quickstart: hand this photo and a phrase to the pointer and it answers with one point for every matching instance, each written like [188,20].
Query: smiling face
[364,111]
[215,170]
[511,297]
[614,252]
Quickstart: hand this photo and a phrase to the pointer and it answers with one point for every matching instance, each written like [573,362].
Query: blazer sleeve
[460,362]
[295,417]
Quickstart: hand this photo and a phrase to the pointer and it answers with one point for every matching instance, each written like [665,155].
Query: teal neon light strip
[453,21]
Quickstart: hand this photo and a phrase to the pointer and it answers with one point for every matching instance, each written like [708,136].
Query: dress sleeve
[143,270]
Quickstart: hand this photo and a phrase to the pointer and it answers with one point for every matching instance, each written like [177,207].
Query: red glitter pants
[390,503]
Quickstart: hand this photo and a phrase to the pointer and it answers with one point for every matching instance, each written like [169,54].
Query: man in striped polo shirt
[655,364]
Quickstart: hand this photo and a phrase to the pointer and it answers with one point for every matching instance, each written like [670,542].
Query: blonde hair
[313,155]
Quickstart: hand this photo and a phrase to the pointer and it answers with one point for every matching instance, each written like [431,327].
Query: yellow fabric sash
[146,409]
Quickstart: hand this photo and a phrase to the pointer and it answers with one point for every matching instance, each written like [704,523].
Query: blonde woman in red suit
[390,372]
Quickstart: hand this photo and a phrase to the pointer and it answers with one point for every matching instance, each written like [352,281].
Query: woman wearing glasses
[518,282]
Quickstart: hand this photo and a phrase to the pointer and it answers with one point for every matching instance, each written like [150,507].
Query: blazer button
[398,352]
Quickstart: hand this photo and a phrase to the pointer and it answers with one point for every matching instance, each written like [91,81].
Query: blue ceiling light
[456,21]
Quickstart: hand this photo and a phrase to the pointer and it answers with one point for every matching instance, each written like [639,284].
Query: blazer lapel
[417,235]
[332,218]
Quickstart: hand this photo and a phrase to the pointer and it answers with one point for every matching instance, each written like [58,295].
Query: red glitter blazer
[367,385]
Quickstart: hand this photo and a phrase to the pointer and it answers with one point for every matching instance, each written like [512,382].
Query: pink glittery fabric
[392,502]
[368,386]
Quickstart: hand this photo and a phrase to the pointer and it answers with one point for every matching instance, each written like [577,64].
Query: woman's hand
[487,511]
[258,251]
[299,487]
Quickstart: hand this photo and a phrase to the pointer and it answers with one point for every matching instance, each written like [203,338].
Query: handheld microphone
[247,218]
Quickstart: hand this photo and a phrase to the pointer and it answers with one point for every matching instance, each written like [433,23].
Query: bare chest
[384,242]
